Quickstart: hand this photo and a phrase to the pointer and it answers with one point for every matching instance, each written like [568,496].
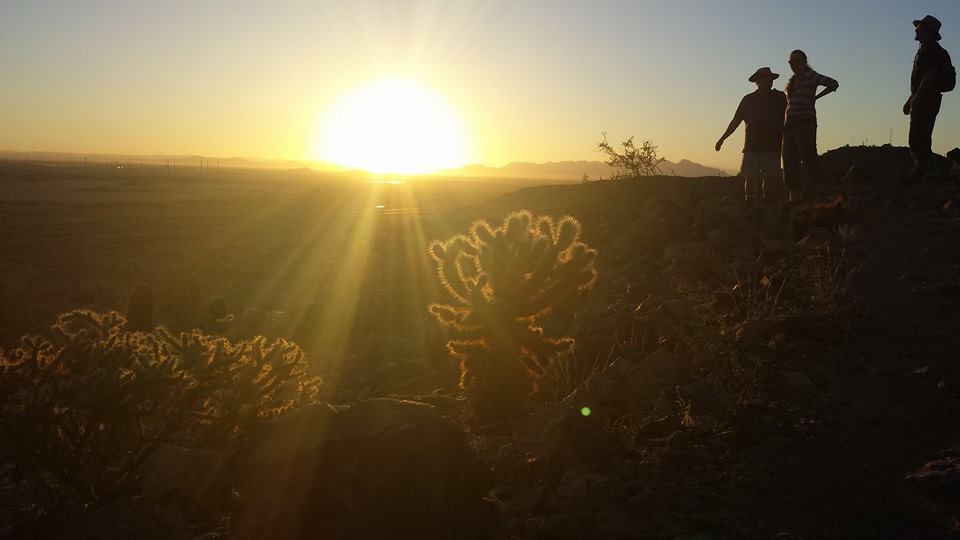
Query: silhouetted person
[932,74]
[800,125]
[763,112]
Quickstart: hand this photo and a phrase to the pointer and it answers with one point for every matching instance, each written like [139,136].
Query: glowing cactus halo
[501,280]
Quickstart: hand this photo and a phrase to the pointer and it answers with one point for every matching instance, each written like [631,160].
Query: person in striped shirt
[800,125]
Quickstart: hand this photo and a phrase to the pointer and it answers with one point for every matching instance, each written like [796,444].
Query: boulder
[795,379]
[777,247]
[380,468]
[659,371]
[954,157]
[119,519]
[940,478]
[195,481]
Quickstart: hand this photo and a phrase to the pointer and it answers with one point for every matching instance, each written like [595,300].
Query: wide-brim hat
[930,22]
[763,73]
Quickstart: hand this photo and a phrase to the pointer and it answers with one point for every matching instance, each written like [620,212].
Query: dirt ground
[884,404]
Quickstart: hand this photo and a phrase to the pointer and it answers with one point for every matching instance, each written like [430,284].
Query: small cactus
[501,281]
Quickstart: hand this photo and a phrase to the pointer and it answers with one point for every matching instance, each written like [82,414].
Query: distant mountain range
[553,170]
[162,159]
[575,170]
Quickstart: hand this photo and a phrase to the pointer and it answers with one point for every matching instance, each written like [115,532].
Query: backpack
[948,78]
[947,74]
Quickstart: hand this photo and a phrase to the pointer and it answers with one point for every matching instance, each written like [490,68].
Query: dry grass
[570,371]
[829,275]
[758,298]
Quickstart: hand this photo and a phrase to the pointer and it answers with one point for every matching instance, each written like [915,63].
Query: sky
[532,80]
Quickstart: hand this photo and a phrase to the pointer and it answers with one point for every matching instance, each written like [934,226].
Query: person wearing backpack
[933,73]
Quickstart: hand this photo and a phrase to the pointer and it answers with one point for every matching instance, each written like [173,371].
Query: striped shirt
[801,93]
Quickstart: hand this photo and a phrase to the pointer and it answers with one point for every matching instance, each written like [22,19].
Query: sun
[395,125]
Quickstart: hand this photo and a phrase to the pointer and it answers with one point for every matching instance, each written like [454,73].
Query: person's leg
[792,173]
[922,121]
[753,189]
[807,147]
[750,171]
[771,182]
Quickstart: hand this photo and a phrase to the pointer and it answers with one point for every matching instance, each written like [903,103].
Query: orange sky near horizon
[530,81]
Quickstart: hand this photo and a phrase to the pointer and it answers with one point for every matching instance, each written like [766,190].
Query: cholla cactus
[501,281]
[82,407]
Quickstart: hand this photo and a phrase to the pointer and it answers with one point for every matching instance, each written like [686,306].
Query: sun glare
[392,126]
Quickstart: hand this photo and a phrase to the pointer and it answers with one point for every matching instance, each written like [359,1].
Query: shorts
[760,165]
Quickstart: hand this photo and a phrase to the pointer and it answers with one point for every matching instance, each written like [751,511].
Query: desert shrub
[757,298]
[501,281]
[85,405]
[633,161]
[829,275]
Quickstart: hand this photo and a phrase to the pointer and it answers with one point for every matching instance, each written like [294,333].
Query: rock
[620,368]
[818,236]
[579,440]
[196,481]
[756,331]
[680,440]
[857,174]
[680,311]
[721,240]
[682,457]
[606,390]
[697,536]
[543,421]
[559,526]
[723,301]
[795,379]
[954,157]
[381,468]
[579,484]
[807,326]
[654,429]
[658,371]
[777,247]
[120,519]
[939,478]
[622,527]
[704,397]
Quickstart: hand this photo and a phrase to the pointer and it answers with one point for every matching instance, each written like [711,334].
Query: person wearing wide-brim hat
[762,111]
[932,74]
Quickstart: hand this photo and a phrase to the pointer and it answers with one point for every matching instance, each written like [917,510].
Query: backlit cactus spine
[501,281]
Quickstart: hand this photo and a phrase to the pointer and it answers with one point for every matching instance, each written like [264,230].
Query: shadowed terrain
[786,375]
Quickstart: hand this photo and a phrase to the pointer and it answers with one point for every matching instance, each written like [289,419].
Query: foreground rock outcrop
[381,468]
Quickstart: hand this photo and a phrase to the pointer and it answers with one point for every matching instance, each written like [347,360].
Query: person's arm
[926,90]
[830,85]
[734,124]
[927,80]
